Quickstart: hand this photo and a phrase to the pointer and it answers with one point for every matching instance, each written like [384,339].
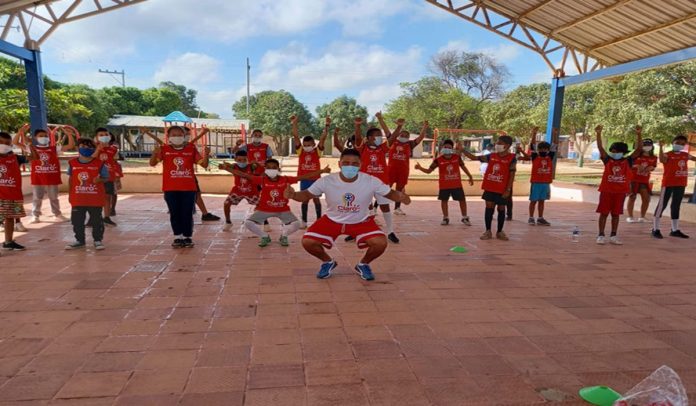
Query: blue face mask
[86,151]
[677,147]
[242,164]
[378,141]
[616,155]
[447,151]
[350,172]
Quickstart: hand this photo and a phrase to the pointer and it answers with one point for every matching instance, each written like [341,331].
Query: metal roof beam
[15,51]
[650,30]
[590,16]
[531,10]
[652,62]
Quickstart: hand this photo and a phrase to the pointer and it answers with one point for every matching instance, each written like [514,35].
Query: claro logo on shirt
[450,172]
[544,168]
[616,175]
[682,171]
[4,180]
[179,172]
[45,166]
[83,177]
[495,175]
[347,207]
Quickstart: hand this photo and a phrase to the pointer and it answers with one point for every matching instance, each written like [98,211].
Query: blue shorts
[305,184]
[539,192]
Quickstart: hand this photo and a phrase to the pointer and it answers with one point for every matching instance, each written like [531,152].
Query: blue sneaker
[326,268]
[364,271]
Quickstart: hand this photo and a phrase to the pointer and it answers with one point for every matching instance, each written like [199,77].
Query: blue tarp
[176,117]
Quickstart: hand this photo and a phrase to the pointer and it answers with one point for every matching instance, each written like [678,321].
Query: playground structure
[477,143]
[57,133]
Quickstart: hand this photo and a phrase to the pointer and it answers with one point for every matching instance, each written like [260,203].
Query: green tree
[343,110]
[189,106]
[161,101]
[519,111]
[430,99]
[477,74]
[270,111]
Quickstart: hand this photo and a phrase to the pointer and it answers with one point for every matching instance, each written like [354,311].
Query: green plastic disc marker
[599,395]
[458,249]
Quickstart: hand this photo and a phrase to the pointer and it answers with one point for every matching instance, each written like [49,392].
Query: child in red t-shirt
[11,196]
[643,166]
[448,165]
[615,185]
[243,188]
[272,201]
[542,158]
[308,154]
[674,179]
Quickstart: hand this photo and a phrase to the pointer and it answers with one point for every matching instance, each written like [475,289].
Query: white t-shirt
[348,202]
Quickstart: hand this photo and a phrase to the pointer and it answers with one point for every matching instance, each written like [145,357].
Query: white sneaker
[601,240]
[227,227]
[98,245]
[614,240]
[631,220]
[267,228]
[399,212]
[20,227]
[61,218]
[642,220]
[35,220]
[303,225]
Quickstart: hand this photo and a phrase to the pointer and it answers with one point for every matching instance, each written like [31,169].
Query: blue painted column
[35,89]
[555,107]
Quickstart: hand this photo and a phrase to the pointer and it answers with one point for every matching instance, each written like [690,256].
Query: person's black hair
[447,142]
[241,152]
[86,141]
[307,138]
[113,138]
[350,152]
[5,136]
[544,145]
[372,130]
[273,161]
[680,138]
[648,141]
[506,139]
[39,131]
[100,129]
[619,147]
[350,142]
[175,127]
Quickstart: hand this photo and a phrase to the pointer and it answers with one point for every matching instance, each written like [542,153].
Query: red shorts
[399,175]
[326,231]
[611,203]
[636,187]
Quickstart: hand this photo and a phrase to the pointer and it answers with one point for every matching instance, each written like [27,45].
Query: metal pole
[121,73]
[247,99]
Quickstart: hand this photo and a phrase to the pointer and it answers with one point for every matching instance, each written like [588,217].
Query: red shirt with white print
[178,164]
[272,197]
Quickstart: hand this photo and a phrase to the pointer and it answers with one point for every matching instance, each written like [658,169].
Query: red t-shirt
[272,193]
[10,178]
[45,171]
[257,153]
[400,154]
[374,161]
[108,156]
[641,174]
[308,162]
[244,186]
[497,173]
[448,170]
[83,191]
[542,169]
[617,176]
[178,164]
[676,169]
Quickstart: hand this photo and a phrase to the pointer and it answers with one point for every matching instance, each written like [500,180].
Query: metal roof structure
[589,34]
[28,23]
[123,120]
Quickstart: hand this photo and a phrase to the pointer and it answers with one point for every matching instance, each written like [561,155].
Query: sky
[316,49]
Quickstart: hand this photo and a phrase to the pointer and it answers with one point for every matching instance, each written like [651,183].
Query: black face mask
[543,154]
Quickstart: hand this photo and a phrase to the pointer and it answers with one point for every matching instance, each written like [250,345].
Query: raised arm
[295,134]
[155,158]
[421,136]
[147,132]
[383,124]
[302,197]
[205,159]
[337,141]
[600,143]
[466,170]
[204,131]
[469,154]
[324,134]
[399,125]
[358,132]
[661,153]
[71,142]
[639,142]
[428,170]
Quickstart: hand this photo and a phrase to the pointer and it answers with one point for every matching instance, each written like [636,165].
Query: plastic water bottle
[575,237]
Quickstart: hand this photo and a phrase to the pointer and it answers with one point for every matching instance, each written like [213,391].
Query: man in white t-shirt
[348,197]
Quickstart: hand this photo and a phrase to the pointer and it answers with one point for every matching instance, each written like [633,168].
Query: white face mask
[647,148]
[271,173]
[5,149]
[104,139]
[378,141]
[499,148]
[43,141]
[176,140]
[403,139]
[308,149]
[256,140]
[677,147]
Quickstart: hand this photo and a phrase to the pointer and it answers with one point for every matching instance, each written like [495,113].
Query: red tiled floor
[229,323]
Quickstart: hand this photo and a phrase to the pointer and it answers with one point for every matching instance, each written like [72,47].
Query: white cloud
[375,98]
[190,69]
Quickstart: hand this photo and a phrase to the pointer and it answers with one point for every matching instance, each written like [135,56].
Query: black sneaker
[209,217]
[109,222]
[12,246]
[75,245]
[508,218]
[393,238]
[657,234]
[678,234]
[178,243]
[349,238]
[187,243]
[113,212]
